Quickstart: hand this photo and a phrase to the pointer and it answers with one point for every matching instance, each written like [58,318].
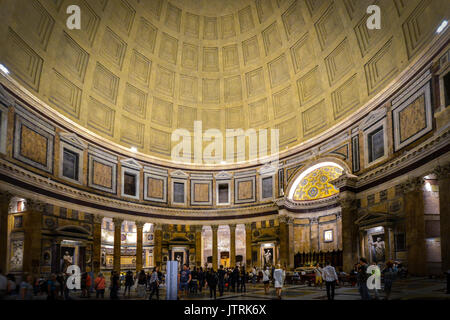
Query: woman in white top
[266,280]
[279,275]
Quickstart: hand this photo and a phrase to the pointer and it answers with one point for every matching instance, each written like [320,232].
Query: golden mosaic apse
[316,184]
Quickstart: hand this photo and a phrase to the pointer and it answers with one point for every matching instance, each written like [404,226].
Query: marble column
[97,243]
[5,199]
[415,225]
[362,241]
[443,176]
[346,184]
[157,245]
[349,231]
[285,223]
[198,246]
[339,230]
[139,240]
[248,246]
[389,242]
[215,256]
[232,245]
[33,236]
[117,243]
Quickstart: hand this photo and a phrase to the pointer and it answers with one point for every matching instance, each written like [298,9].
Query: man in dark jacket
[201,279]
[212,279]
[361,278]
[234,278]
[221,278]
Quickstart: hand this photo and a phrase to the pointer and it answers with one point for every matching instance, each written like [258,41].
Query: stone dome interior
[137,70]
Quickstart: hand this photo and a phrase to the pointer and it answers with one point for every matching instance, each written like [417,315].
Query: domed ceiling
[139,69]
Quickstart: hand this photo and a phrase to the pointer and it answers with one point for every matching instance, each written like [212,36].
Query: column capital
[6,196]
[35,205]
[232,226]
[98,218]
[314,220]
[412,184]
[442,172]
[284,218]
[139,224]
[117,222]
[157,226]
[214,227]
[347,203]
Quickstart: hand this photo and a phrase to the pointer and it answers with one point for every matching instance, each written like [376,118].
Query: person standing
[129,282]
[201,279]
[212,280]
[100,284]
[115,284]
[141,284]
[221,280]
[83,285]
[26,288]
[88,284]
[254,275]
[361,279]
[389,275]
[266,280]
[243,279]
[278,277]
[184,278]
[193,287]
[331,278]
[234,278]
[154,284]
[318,273]
[52,288]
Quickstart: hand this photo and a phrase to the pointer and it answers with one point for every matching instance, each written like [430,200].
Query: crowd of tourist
[192,282]
[232,280]
[358,276]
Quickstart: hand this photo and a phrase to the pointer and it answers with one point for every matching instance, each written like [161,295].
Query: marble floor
[407,289]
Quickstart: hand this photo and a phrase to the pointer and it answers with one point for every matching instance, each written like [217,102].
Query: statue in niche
[268,257]
[378,249]
[67,261]
[103,258]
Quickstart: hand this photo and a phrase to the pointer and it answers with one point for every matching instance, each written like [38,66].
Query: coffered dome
[139,69]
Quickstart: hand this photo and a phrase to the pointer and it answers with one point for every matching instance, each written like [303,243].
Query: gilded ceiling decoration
[316,184]
[138,70]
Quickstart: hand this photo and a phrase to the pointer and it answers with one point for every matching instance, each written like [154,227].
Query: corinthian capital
[6,196]
[35,205]
[139,224]
[117,222]
[284,218]
[412,184]
[442,172]
[98,218]
[347,203]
